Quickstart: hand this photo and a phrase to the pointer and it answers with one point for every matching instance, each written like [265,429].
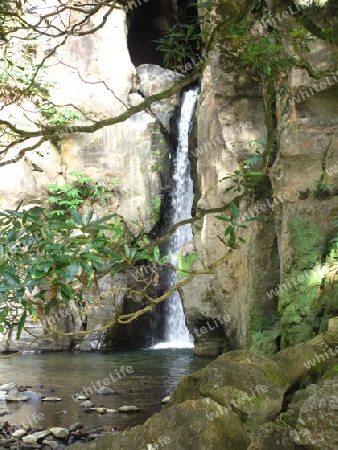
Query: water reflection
[154,375]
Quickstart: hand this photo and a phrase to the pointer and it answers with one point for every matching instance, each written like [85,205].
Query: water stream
[176,334]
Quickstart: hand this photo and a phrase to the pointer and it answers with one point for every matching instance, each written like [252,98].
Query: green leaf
[72,271]
[225,219]
[234,210]
[156,253]
[89,216]
[76,216]
[251,219]
[241,240]
[253,174]
[12,278]
[127,250]
[228,230]
[66,292]
[21,324]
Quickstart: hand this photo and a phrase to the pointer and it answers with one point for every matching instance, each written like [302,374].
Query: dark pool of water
[155,375]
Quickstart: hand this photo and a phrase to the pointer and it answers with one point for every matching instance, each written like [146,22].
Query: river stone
[3,396]
[30,439]
[59,432]
[4,411]
[165,400]
[81,397]
[15,396]
[87,404]
[251,385]
[75,427]
[51,399]
[19,433]
[51,444]
[186,426]
[7,386]
[31,395]
[99,410]
[111,411]
[39,435]
[106,391]
[129,409]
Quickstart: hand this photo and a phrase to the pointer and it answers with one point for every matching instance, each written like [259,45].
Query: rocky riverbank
[244,401]
[31,435]
[15,437]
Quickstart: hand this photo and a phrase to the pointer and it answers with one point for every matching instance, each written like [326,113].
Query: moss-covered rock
[208,348]
[272,436]
[300,307]
[192,425]
[251,385]
[331,335]
[293,360]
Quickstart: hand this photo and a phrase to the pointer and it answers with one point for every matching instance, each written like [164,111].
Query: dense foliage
[47,260]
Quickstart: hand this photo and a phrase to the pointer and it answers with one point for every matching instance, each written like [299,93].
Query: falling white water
[176,334]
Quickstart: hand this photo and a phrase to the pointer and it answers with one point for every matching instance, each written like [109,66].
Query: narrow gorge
[119,121]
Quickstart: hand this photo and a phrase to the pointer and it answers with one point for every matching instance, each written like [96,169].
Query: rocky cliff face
[297,203]
[95,74]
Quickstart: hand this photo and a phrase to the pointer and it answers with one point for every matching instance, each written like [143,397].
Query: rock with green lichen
[310,422]
[251,385]
[192,425]
[293,360]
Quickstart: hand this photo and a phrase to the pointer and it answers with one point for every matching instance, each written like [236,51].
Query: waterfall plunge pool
[155,375]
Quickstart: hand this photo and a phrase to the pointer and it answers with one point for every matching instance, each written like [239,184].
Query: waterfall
[176,334]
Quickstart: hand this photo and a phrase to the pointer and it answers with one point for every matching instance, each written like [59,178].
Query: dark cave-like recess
[147,21]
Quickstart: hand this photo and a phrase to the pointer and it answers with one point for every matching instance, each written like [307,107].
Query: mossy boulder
[192,425]
[312,414]
[272,436]
[293,360]
[310,422]
[210,348]
[331,335]
[250,385]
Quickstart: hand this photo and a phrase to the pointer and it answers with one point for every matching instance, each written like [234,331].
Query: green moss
[264,342]
[185,263]
[299,319]
[326,305]
[263,328]
[206,297]
[308,242]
